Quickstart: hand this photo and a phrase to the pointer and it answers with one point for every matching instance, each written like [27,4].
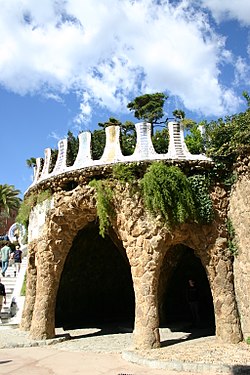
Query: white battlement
[144,150]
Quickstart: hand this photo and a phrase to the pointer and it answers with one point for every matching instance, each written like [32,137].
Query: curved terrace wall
[147,243]
[144,150]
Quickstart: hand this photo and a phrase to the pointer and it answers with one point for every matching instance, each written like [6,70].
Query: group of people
[8,255]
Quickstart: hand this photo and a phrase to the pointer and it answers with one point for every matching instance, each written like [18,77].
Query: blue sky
[69,64]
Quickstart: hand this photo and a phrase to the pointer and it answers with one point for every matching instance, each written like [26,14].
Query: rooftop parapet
[144,150]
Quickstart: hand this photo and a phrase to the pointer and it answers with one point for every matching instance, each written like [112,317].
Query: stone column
[49,268]
[30,291]
[226,313]
[146,330]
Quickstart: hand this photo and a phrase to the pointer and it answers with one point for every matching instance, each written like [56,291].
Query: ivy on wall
[27,205]
[166,191]
[200,190]
[104,204]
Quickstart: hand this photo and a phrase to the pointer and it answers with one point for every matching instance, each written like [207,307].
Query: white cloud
[109,52]
[229,9]
[242,71]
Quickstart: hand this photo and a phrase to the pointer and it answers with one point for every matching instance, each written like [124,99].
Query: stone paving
[180,351]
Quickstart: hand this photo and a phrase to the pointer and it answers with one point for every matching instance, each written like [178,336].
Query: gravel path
[179,351]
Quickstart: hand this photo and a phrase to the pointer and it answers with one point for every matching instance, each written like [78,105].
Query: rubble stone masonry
[147,242]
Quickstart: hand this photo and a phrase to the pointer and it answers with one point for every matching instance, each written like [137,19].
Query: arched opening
[180,265]
[96,285]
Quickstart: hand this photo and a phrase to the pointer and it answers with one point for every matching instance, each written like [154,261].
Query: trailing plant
[203,203]
[167,192]
[104,206]
[231,243]
[42,196]
[24,210]
[125,172]
[27,205]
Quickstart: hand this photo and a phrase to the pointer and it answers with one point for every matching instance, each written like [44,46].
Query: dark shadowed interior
[175,309]
[96,285]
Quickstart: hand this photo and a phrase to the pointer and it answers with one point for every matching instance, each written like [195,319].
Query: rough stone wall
[146,241]
[239,214]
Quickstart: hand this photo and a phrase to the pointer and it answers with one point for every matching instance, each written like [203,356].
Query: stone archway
[179,265]
[96,286]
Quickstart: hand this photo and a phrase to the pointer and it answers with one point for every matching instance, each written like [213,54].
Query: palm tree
[9,199]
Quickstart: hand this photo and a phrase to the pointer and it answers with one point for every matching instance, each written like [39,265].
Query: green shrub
[167,192]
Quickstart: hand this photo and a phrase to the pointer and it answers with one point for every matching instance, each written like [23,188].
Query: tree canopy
[9,199]
[148,107]
[224,139]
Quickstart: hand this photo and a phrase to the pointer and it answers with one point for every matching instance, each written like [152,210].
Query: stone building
[137,274]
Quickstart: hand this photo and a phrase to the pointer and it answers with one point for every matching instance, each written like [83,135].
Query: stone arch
[96,284]
[180,264]
[69,214]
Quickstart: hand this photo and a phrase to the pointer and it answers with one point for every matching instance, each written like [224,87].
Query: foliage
[148,107]
[160,141]
[179,114]
[27,205]
[248,340]
[31,162]
[194,140]
[103,205]
[111,121]
[9,199]
[125,172]
[128,138]
[203,203]
[232,245]
[98,141]
[167,192]
[72,149]
[228,138]
[42,196]
[53,158]
[24,210]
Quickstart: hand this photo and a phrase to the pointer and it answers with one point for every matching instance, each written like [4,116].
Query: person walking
[193,301]
[2,295]
[17,259]
[5,254]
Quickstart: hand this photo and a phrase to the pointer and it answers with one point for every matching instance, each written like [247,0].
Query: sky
[69,64]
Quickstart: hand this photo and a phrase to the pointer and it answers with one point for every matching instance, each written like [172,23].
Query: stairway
[13,286]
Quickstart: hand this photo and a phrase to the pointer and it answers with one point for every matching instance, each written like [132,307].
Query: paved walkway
[96,351]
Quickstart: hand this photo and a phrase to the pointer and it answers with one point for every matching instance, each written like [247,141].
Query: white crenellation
[144,150]
[45,170]
[37,170]
[83,158]
[112,151]
[61,157]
